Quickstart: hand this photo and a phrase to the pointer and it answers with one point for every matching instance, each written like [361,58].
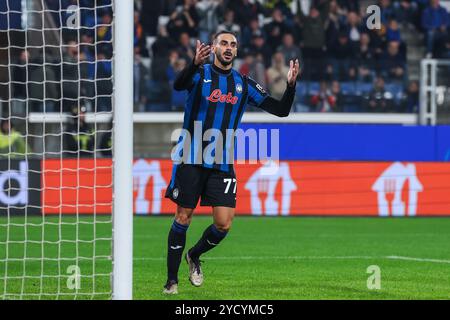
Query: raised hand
[294,69]
[202,53]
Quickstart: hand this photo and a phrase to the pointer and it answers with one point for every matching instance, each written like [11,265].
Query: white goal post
[123,159]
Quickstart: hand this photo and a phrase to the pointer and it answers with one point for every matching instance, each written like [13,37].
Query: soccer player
[217,97]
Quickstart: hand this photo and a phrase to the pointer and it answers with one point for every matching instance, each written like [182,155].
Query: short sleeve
[256,93]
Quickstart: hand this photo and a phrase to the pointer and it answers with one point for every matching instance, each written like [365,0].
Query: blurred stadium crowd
[346,67]
[52,78]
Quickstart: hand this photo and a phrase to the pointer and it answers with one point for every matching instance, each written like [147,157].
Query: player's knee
[183,219]
[223,226]
[184,216]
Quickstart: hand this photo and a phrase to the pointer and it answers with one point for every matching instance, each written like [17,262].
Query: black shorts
[189,182]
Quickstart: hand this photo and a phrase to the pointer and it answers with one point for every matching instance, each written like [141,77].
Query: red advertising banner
[284,188]
[76,186]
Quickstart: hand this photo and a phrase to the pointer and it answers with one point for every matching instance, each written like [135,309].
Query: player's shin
[175,246]
[211,237]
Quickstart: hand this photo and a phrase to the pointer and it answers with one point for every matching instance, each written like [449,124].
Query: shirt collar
[219,70]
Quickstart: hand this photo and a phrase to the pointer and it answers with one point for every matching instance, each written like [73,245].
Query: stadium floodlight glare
[66,184]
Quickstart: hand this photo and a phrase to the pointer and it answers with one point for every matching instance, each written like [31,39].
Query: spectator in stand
[283,5]
[159,91]
[435,21]
[159,94]
[406,12]
[174,57]
[323,101]
[88,50]
[150,13]
[386,11]
[185,50]
[12,143]
[104,31]
[333,22]
[393,65]
[170,6]
[184,19]
[339,99]
[411,99]
[247,64]
[379,100]
[209,13]
[250,30]
[245,10]
[105,146]
[277,76]
[341,56]
[163,43]
[259,47]
[365,59]
[276,29]
[443,48]
[392,31]
[79,136]
[19,73]
[253,67]
[103,82]
[341,10]
[313,32]
[258,71]
[377,40]
[71,74]
[348,5]
[353,27]
[139,36]
[140,79]
[323,7]
[229,24]
[176,66]
[289,49]
[313,42]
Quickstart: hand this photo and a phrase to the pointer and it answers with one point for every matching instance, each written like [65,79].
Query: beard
[223,61]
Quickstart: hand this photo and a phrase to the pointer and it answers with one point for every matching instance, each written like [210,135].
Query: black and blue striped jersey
[217,99]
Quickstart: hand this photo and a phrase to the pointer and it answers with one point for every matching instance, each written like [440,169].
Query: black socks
[211,237]
[175,247]
[177,240]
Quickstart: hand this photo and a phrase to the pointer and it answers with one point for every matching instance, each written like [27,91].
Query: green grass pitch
[262,258]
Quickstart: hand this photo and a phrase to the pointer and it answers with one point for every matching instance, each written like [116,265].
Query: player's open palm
[294,69]
[201,53]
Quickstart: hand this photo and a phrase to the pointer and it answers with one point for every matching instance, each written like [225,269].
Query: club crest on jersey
[217,96]
[238,88]
[175,193]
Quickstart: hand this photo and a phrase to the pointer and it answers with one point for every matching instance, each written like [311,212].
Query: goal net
[56,166]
